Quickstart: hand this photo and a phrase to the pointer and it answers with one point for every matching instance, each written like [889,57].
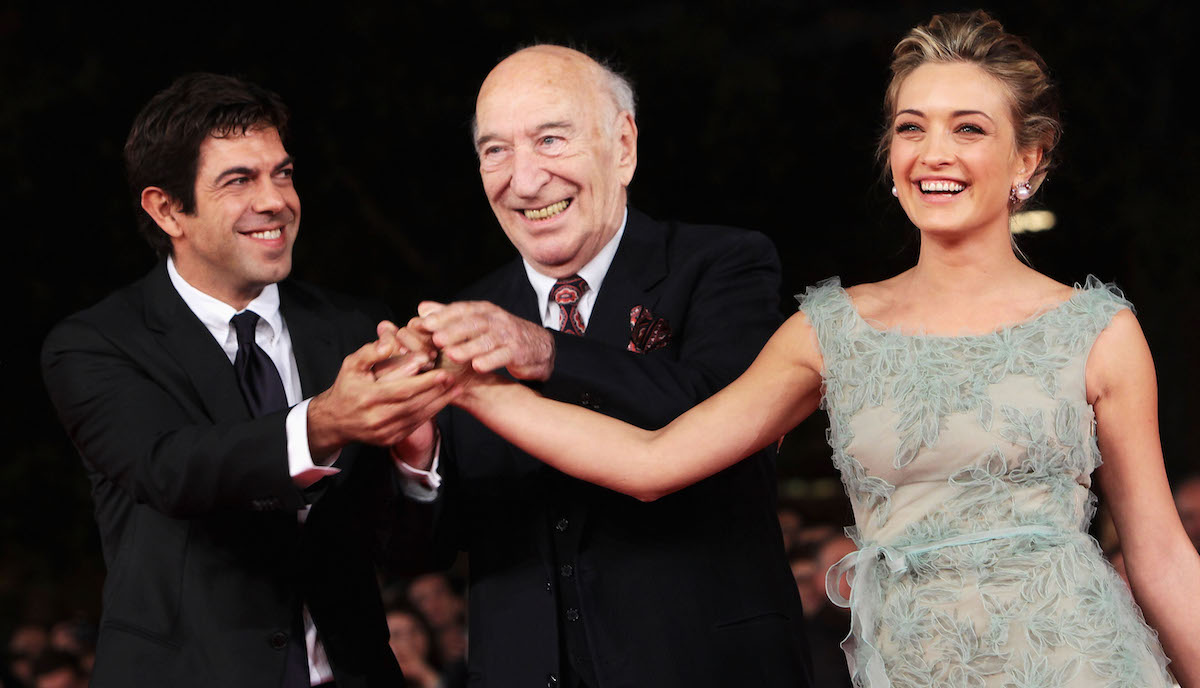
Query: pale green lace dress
[968,462]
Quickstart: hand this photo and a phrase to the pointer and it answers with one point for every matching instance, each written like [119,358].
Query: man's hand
[411,345]
[359,408]
[488,337]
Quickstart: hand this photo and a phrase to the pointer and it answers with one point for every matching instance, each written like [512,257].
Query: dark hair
[163,147]
[976,38]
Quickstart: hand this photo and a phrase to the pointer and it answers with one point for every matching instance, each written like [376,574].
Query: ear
[627,134]
[1027,164]
[163,210]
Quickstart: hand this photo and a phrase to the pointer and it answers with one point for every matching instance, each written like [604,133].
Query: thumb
[371,353]
[429,307]
[386,329]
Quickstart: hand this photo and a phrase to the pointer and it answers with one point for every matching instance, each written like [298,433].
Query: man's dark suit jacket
[690,590]
[197,513]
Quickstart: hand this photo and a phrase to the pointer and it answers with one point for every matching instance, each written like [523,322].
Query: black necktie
[257,376]
[263,390]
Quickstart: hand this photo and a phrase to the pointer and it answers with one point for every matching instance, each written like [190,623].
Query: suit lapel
[314,340]
[640,263]
[193,347]
[518,296]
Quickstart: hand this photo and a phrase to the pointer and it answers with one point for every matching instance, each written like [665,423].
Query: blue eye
[971,129]
[906,127]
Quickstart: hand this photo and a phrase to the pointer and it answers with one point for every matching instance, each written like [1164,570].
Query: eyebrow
[250,171]
[544,126]
[956,113]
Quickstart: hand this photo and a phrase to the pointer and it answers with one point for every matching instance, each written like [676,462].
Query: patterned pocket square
[646,332]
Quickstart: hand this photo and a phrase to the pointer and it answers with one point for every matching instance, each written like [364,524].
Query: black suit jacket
[691,590]
[196,510]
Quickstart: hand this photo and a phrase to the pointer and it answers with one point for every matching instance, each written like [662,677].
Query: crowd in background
[427,624]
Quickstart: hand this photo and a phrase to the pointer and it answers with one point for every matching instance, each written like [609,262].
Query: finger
[429,408]
[427,307]
[369,354]
[417,324]
[397,388]
[415,341]
[405,365]
[385,329]
[477,343]
[493,360]
[439,316]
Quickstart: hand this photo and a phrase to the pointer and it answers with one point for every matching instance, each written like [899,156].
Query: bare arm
[781,388]
[1163,567]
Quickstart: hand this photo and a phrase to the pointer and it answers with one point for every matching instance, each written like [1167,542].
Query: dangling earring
[1021,192]
[895,192]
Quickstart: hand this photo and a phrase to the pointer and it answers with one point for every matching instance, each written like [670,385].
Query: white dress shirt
[271,335]
[593,273]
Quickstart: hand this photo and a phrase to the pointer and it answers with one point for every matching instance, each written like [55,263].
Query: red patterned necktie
[566,294]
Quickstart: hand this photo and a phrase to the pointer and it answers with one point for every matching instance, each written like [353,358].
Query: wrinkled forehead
[535,84]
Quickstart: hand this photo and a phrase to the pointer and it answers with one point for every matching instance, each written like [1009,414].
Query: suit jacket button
[572,614]
[562,524]
[551,681]
[278,640]
[585,399]
[566,570]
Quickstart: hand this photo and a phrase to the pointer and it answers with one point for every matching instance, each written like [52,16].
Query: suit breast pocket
[145,586]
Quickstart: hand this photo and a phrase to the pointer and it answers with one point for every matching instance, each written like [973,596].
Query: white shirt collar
[216,314]
[593,273]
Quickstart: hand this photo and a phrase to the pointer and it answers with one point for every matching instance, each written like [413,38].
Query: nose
[937,151]
[268,199]
[528,174]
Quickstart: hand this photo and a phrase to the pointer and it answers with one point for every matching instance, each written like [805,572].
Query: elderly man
[239,522]
[572,584]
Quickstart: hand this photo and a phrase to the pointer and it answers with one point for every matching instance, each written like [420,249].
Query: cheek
[899,160]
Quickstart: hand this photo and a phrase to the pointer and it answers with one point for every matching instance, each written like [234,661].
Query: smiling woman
[969,398]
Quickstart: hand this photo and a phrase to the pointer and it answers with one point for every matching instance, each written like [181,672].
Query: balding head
[557,146]
[602,78]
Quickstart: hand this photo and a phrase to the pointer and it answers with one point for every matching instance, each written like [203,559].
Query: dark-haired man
[238,516]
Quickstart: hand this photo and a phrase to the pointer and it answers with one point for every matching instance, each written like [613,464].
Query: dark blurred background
[756,114]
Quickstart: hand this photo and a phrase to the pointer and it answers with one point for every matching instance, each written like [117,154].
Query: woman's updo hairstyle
[976,38]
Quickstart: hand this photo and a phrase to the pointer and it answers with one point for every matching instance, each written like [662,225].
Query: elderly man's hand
[487,338]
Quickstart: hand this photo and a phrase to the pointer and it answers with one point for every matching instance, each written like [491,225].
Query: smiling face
[555,156]
[953,151]
[239,238]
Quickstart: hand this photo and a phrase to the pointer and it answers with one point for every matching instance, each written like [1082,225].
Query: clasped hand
[468,339]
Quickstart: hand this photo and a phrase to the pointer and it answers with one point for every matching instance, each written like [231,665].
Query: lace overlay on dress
[968,463]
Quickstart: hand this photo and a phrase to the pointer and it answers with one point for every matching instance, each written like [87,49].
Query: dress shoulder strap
[1076,325]
[831,314]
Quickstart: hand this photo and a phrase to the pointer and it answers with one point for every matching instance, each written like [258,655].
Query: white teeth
[549,211]
[941,186]
[267,234]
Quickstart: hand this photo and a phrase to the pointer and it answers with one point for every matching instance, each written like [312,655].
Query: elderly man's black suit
[207,563]
[690,590]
